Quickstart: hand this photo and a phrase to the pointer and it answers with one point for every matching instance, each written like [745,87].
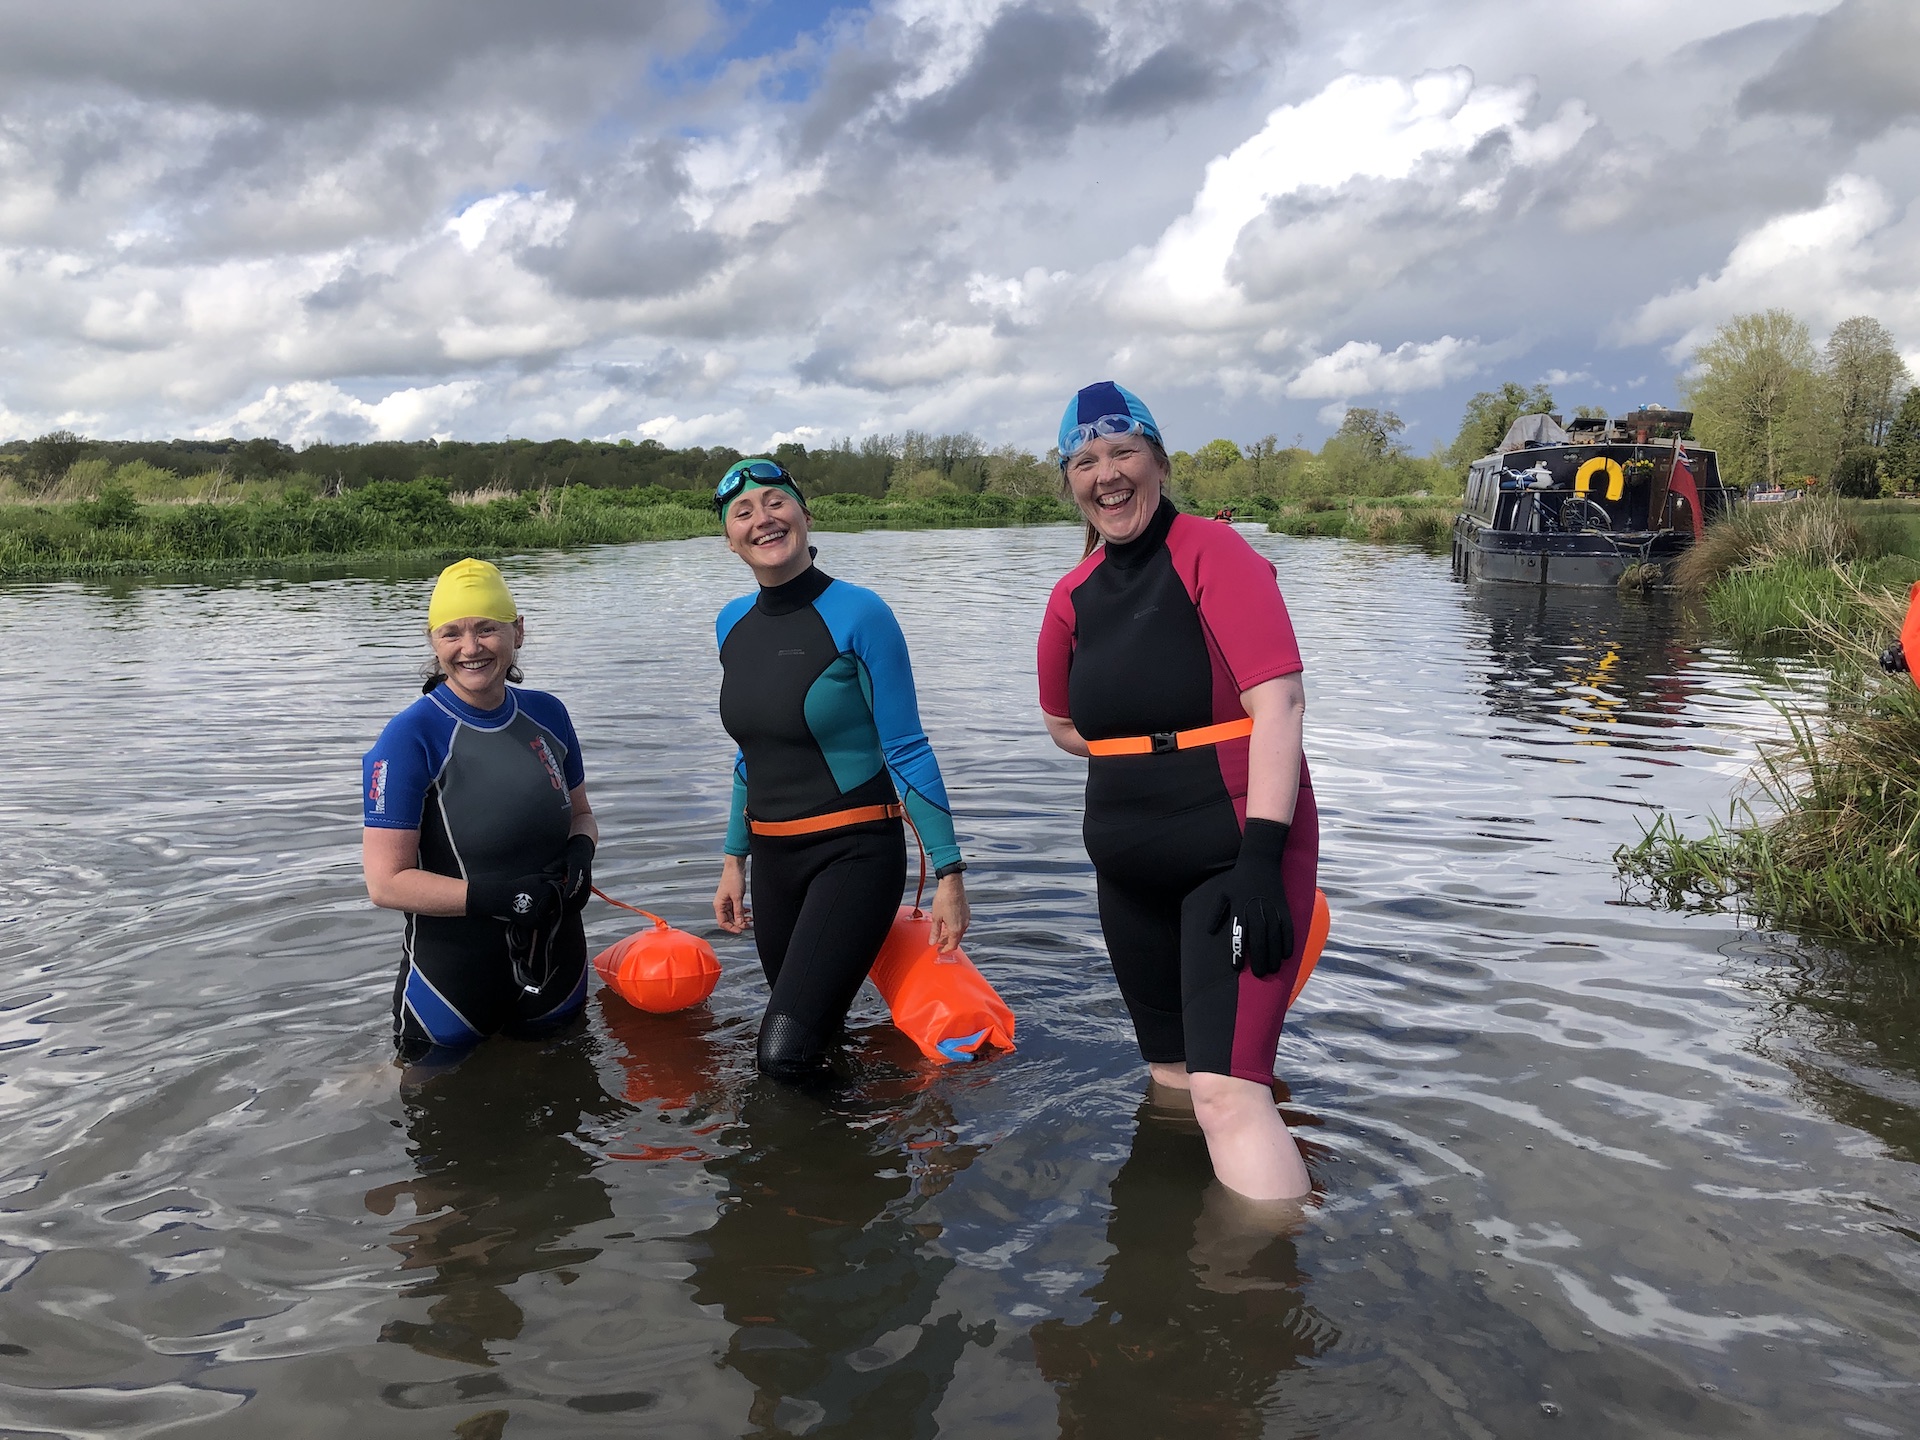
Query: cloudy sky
[744,221]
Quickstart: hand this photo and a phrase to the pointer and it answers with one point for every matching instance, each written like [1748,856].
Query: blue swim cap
[1104,409]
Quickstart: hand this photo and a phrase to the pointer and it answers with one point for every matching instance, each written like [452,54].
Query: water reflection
[1588,662]
[818,1258]
[1843,1025]
[1199,1306]
[502,1181]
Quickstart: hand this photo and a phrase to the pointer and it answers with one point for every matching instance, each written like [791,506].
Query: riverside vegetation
[69,506]
[1825,839]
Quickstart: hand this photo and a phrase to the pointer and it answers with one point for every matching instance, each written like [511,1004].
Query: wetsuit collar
[481,719]
[1131,554]
[796,594]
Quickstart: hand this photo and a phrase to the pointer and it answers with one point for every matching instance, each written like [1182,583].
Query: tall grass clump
[1783,574]
[1813,534]
[1404,520]
[1829,839]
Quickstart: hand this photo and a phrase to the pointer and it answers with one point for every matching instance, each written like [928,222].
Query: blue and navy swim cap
[1104,409]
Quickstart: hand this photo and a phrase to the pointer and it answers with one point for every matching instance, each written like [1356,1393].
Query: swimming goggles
[1075,440]
[743,473]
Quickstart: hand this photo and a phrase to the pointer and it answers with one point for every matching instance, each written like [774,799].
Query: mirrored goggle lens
[736,478]
[1078,437]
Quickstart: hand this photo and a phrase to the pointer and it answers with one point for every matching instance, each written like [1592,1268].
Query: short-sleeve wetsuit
[1164,633]
[818,694]
[490,793]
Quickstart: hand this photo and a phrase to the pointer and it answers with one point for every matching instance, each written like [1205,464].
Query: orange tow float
[940,1002]
[659,969]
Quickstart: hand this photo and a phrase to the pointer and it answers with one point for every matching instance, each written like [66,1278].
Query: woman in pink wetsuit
[1167,658]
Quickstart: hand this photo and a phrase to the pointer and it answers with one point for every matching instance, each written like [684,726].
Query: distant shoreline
[418,521]
[412,522]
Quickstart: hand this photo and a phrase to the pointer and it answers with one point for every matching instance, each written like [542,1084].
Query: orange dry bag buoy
[940,1002]
[1316,942]
[660,968]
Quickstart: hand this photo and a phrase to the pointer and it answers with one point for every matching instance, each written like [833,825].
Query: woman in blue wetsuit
[818,693]
[478,827]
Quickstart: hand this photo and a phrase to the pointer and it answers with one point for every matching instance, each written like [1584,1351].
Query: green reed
[1829,841]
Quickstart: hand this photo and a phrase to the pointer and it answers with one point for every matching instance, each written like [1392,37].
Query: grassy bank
[1828,840]
[118,533]
[1773,575]
[1420,520]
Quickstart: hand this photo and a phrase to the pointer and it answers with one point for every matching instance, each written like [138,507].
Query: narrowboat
[1578,503]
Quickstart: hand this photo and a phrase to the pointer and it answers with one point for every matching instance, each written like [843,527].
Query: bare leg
[1253,1154]
[1232,1231]
[1173,1076]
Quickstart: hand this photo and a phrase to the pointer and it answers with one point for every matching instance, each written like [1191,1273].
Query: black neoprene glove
[1256,901]
[527,903]
[1893,659]
[579,882]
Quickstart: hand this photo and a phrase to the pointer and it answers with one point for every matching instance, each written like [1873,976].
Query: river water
[1584,1167]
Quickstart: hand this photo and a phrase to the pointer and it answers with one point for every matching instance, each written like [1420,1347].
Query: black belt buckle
[1164,743]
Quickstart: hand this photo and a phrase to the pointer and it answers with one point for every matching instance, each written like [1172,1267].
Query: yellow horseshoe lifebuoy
[1616,477]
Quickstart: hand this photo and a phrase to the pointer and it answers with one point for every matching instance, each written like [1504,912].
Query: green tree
[1857,475]
[1377,431]
[1754,397]
[49,457]
[1903,444]
[1865,382]
[1488,417]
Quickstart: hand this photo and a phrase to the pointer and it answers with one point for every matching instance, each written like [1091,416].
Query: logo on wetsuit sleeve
[377,788]
[539,744]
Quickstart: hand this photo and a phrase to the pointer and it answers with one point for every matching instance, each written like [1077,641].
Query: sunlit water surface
[1582,1165]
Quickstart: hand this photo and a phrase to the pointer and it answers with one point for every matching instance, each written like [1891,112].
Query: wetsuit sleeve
[1056,650]
[882,651]
[395,773]
[1238,597]
[739,838]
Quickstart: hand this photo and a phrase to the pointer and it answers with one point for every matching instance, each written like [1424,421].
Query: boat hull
[1589,560]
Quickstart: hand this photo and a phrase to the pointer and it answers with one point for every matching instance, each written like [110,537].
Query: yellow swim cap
[469,588]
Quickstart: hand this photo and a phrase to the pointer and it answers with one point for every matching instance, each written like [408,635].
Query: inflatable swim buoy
[940,1002]
[660,969]
[1616,477]
[1316,942]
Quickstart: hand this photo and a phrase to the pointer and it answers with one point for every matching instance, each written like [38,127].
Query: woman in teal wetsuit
[818,693]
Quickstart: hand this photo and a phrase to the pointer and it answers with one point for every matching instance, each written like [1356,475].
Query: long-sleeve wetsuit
[818,693]
[490,793]
[1161,634]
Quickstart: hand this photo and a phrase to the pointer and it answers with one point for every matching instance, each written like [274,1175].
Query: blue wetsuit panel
[818,691]
[489,793]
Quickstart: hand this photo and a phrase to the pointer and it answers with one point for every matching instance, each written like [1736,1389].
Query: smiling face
[767,528]
[476,654]
[1116,480]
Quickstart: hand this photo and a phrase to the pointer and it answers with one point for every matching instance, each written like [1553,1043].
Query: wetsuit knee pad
[790,1047]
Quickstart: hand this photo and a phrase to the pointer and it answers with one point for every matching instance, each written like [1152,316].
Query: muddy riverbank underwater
[1600,1166]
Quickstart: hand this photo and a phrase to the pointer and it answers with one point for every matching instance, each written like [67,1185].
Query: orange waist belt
[1167,741]
[860,815]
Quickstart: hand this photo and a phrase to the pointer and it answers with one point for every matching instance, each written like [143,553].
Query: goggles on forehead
[1076,439]
[743,473]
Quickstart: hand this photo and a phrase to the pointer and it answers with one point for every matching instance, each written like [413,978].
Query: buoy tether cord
[622,905]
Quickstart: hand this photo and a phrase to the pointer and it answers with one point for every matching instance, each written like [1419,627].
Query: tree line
[913,465]
[1775,408]
[1781,412]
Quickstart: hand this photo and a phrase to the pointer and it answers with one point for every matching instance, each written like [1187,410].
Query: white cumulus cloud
[1360,367]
